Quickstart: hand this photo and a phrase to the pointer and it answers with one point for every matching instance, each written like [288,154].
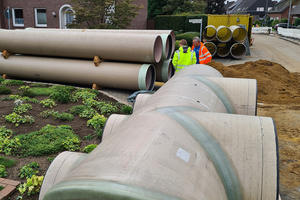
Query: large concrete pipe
[130,76]
[112,122]
[224,34]
[238,50]
[176,152]
[212,48]
[164,70]
[239,34]
[223,49]
[131,47]
[170,42]
[209,33]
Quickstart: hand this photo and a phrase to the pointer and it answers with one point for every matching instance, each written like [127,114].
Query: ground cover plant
[35,132]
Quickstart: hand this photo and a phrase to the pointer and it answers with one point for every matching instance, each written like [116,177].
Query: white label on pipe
[183,155]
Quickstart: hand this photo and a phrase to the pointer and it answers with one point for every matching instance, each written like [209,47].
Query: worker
[202,54]
[184,56]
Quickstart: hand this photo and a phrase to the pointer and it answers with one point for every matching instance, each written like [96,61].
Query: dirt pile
[275,84]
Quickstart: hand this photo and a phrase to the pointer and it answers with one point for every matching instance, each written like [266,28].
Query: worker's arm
[194,60]
[175,60]
[207,55]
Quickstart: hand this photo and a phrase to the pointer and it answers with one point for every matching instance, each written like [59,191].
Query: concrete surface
[273,47]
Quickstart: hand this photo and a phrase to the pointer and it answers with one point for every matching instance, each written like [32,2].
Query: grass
[7,162]
[1,187]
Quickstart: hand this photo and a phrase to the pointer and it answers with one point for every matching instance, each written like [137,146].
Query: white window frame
[260,9]
[14,17]
[35,17]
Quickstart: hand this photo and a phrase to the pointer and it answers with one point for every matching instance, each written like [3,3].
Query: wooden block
[97,61]
[6,77]
[96,87]
[5,54]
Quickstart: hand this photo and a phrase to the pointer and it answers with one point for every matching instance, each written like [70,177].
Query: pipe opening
[169,47]
[239,34]
[223,49]
[224,34]
[211,48]
[238,50]
[209,33]
[149,78]
[158,48]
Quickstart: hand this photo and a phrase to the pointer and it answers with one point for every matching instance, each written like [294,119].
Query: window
[40,17]
[260,9]
[69,16]
[17,14]
[269,8]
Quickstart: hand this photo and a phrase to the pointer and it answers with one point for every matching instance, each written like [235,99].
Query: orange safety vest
[204,54]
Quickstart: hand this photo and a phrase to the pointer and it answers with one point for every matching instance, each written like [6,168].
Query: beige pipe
[224,34]
[131,47]
[239,34]
[112,122]
[140,100]
[238,50]
[223,49]
[164,70]
[170,50]
[209,33]
[130,76]
[212,48]
[210,155]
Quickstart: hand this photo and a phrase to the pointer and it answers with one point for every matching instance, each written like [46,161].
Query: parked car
[283,25]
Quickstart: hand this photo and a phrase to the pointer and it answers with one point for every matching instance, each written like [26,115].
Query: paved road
[272,48]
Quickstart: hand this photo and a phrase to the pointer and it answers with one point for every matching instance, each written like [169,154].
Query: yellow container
[229,20]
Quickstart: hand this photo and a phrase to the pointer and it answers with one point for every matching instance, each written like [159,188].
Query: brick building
[51,14]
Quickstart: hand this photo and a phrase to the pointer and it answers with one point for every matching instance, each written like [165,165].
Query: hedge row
[179,23]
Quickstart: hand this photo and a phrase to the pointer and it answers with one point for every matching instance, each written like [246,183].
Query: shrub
[62,94]
[97,122]
[1,79]
[29,170]
[297,21]
[3,173]
[88,113]
[84,94]
[64,116]
[12,82]
[28,93]
[89,148]
[23,87]
[188,37]
[76,110]
[88,137]
[7,145]
[22,108]
[47,140]
[126,109]
[7,162]
[48,113]
[41,91]
[107,108]
[275,21]
[48,102]
[17,119]
[284,20]
[32,186]
[4,90]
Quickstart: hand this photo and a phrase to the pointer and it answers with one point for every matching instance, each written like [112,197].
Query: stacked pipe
[123,59]
[224,41]
[197,137]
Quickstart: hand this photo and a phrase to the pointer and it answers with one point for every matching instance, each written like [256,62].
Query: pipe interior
[171,70]
[238,50]
[224,34]
[209,33]
[211,48]
[150,77]
[158,49]
[239,34]
[223,49]
[169,47]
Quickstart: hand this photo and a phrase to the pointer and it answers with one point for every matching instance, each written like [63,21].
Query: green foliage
[98,14]
[106,108]
[22,108]
[29,170]
[97,122]
[48,102]
[126,109]
[47,140]
[15,97]
[88,137]
[88,113]
[76,110]
[48,113]
[84,94]
[28,93]
[1,79]
[4,90]
[297,21]
[269,23]
[177,45]
[89,148]
[5,133]
[72,143]
[1,187]
[188,37]
[64,116]
[155,7]
[90,102]
[61,94]
[7,162]
[12,82]
[215,7]
[284,20]
[38,85]
[3,173]
[175,7]
[275,21]
[17,119]
[50,159]
[32,186]
[258,22]
[24,87]
[7,145]
[41,91]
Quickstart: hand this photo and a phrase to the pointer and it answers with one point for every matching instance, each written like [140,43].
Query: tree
[99,14]
[184,6]
[215,7]
[155,7]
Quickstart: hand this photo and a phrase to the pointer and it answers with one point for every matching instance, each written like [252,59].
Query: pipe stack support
[229,41]
[197,137]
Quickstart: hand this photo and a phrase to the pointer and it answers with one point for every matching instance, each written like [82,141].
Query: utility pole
[289,14]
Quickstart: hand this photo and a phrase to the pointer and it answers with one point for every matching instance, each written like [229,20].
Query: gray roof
[232,8]
[228,4]
[296,10]
[280,7]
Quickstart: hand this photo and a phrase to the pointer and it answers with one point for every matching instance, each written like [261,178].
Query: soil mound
[275,84]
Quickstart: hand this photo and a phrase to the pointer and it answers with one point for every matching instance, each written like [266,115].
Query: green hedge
[297,21]
[179,23]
